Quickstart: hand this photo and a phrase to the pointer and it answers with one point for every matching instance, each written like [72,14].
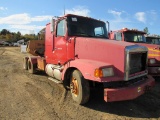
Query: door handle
[57,48]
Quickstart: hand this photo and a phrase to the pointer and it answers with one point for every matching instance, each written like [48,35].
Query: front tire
[79,88]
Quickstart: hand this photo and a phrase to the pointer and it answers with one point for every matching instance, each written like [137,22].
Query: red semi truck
[138,37]
[78,53]
[152,39]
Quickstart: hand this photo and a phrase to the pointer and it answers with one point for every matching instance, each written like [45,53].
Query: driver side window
[61,28]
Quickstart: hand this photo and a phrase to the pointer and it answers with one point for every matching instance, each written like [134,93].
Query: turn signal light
[98,73]
[105,72]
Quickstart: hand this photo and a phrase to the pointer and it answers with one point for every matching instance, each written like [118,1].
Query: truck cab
[152,39]
[138,37]
[79,54]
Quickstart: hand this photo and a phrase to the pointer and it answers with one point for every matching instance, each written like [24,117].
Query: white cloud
[148,17]
[141,16]
[20,19]
[22,22]
[115,13]
[41,18]
[26,29]
[79,10]
[16,19]
[120,20]
[3,8]
[123,19]
[118,16]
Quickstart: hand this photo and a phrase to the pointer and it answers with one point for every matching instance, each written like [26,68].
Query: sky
[30,16]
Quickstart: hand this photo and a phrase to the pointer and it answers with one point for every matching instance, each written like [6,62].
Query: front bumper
[130,92]
[154,71]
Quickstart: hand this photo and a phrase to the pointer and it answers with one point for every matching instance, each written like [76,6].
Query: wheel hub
[74,86]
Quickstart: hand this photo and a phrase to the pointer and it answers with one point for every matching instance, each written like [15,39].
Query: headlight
[152,61]
[105,72]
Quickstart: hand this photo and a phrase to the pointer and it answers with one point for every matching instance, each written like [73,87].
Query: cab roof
[67,15]
[129,30]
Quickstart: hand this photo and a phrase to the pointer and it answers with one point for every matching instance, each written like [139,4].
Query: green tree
[15,36]
[146,30]
[9,37]
[31,37]
[4,32]
[18,34]
[2,37]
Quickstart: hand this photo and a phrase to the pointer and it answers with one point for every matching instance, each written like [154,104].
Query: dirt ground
[25,96]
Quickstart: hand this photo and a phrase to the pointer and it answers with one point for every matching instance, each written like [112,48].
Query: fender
[86,67]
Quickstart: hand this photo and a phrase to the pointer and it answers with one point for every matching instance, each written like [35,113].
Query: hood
[103,50]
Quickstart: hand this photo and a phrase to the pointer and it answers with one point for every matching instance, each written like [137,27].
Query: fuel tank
[54,71]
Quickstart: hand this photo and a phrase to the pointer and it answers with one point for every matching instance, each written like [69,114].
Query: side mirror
[52,27]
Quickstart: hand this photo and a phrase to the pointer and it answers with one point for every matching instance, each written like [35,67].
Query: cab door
[59,47]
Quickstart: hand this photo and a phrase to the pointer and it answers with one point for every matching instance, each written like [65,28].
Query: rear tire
[80,89]
[31,67]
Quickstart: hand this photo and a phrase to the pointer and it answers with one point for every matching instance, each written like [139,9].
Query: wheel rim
[74,87]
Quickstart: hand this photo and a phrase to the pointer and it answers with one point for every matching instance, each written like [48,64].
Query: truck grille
[137,62]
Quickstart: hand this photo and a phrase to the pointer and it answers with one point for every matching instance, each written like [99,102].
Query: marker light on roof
[125,28]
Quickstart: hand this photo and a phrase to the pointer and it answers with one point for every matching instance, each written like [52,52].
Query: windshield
[153,40]
[134,37]
[85,27]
